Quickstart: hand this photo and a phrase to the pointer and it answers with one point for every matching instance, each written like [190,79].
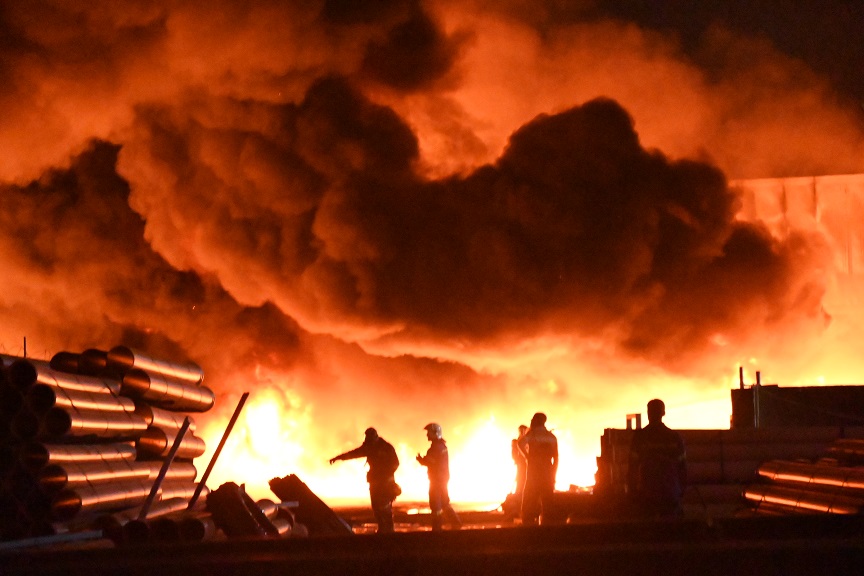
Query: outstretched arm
[358,452]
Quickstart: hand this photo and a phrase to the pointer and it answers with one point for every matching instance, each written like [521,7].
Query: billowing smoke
[450,208]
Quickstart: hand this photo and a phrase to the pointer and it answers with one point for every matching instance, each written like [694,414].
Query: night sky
[395,212]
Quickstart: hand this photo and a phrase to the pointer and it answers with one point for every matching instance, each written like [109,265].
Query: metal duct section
[6,360]
[25,373]
[66,362]
[41,397]
[279,515]
[847,449]
[112,496]
[157,442]
[113,524]
[167,393]
[803,500]
[128,359]
[177,470]
[177,489]
[56,477]
[93,361]
[99,498]
[813,474]
[37,454]
[197,528]
[63,422]
[25,424]
[11,400]
[160,418]
[84,440]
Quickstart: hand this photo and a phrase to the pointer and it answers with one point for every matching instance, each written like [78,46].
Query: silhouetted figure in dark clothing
[383,462]
[520,461]
[513,502]
[437,462]
[657,473]
[540,447]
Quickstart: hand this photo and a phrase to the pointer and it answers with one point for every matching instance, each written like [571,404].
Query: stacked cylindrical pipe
[84,435]
[833,484]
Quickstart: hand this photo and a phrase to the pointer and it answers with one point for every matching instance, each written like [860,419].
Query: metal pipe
[38,454]
[847,447]
[59,422]
[129,358]
[25,424]
[279,516]
[25,373]
[283,525]
[100,497]
[41,397]
[221,445]
[56,477]
[177,489]
[160,418]
[804,500]
[198,528]
[65,362]
[177,471]
[11,400]
[92,361]
[167,393]
[111,522]
[112,497]
[6,360]
[829,477]
[158,442]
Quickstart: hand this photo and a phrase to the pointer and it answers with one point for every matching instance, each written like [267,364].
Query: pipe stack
[721,464]
[833,484]
[86,435]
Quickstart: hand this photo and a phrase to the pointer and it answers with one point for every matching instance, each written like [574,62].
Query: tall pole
[145,508]
[206,475]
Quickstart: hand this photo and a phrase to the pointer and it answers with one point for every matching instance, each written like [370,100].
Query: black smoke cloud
[81,274]
[248,184]
[575,231]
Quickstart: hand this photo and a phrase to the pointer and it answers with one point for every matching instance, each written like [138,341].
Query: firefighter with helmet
[437,463]
[383,489]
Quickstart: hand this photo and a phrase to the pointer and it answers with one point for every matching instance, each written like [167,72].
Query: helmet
[434,428]
[539,419]
[371,434]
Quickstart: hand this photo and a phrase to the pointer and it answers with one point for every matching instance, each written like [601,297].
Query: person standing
[540,447]
[520,461]
[383,463]
[437,462]
[513,502]
[657,469]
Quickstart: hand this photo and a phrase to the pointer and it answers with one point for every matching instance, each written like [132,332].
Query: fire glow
[390,213]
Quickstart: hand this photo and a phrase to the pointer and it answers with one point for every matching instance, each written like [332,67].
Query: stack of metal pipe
[87,434]
[833,484]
